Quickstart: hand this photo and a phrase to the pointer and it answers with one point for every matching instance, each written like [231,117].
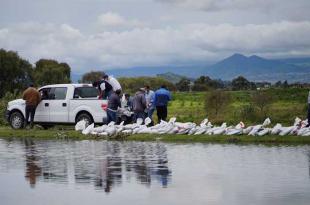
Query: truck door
[59,105]
[43,110]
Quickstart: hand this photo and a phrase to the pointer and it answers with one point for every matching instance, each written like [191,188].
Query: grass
[8,133]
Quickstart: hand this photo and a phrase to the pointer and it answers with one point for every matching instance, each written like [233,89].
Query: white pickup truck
[61,104]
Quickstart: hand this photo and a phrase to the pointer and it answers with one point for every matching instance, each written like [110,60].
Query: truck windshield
[85,92]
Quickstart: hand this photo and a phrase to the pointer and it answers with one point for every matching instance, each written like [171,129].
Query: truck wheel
[86,117]
[17,120]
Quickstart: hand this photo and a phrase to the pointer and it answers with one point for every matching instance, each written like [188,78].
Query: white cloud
[146,46]
[114,20]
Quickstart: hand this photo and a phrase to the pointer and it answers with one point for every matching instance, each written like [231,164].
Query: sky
[108,34]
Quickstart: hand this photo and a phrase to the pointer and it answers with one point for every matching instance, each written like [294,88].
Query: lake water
[100,172]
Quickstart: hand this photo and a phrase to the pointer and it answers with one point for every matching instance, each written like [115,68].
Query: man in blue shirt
[161,99]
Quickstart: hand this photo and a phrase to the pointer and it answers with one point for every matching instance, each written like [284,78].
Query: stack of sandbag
[204,128]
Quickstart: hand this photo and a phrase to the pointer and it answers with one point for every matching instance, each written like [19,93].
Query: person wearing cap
[149,97]
[113,82]
[113,104]
[139,104]
[104,87]
[32,98]
[161,99]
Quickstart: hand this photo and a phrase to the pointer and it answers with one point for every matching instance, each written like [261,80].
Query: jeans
[161,113]
[111,116]
[30,110]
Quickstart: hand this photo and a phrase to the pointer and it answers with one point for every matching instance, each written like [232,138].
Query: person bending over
[32,98]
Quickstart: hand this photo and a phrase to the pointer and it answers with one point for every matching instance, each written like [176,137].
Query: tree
[216,101]
[183,85]
[204,83]
[262,100]
[15,72]
[240,83]
[131,85]
[91,76]
[51,72]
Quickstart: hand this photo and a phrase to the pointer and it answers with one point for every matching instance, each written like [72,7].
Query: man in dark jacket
[139,104]
[104,87]
[32,98]
[308,125]
[161,99]
[113,104]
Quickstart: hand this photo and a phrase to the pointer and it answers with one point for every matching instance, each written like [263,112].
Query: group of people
[146,101]
[142,104]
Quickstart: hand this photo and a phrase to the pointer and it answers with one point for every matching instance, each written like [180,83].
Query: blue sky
[107,34]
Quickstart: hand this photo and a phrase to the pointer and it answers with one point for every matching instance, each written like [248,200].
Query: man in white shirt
[113,82]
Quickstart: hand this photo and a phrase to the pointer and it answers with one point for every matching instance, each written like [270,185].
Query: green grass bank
[54,134]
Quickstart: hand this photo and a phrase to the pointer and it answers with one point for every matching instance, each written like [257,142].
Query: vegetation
[6,132]
[91,77]
[217,101]
[131,85]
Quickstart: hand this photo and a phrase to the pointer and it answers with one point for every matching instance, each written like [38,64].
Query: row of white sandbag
[205,127]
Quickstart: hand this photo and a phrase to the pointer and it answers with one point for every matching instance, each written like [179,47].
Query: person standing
[32,98]
[161,99]
[113,104]
[150,107]
[139,104]
[113,82]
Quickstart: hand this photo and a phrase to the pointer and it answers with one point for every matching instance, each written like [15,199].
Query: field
[285,106]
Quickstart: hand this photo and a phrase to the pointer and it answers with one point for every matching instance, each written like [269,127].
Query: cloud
[217,5]
[146,46]
[114,20]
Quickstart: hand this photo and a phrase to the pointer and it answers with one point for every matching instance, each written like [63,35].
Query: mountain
[189,70]
[256,68]
[172,77]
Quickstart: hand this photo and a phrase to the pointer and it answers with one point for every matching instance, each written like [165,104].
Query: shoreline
[53,134]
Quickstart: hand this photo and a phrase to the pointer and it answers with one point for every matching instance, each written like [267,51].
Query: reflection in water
[103,164]
[32,168]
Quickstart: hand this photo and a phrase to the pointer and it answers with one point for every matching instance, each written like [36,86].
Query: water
[100,172]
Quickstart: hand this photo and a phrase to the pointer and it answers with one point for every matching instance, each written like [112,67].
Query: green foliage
[241,83]
[131,85]
[204,83]
[51,72]
[262,100]
[216,102]
[183,85]
[16,73]
[91,77]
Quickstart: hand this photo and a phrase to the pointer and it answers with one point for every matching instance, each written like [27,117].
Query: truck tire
[17,120]
[86,117]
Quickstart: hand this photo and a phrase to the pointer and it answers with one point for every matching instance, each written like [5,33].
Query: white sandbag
[88,129]
[247,130]
[276,129]
[139,121]
[111,124]
[172,120]
[266,122]
[286,130]
[263,132]
[147,121]
[255,129]
[80,125]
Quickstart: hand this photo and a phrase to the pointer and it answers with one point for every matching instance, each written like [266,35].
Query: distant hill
[190,70]
[172,77]
[256,68]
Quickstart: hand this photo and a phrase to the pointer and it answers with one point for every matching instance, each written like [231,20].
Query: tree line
[17,73]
